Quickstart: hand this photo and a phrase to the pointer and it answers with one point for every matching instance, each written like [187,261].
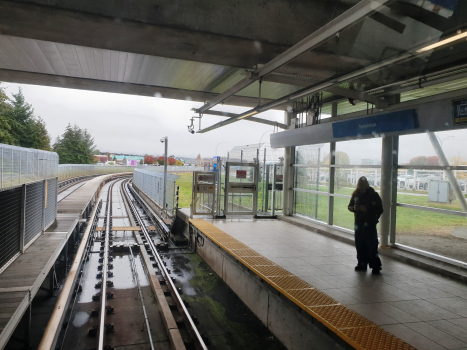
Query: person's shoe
[376,271]
[360,268]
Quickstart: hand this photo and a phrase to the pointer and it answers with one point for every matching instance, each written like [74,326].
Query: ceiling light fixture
[456,37]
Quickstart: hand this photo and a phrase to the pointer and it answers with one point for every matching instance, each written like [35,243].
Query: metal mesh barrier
[10,219]
[51,201]
[34,213]
[19,165]
[68,171]
[152,183]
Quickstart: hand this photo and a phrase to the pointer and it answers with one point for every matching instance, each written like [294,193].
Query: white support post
[449,174]
[332,174]
[288,184]
[386,190]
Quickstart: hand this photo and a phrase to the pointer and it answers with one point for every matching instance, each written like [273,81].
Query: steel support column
[393,209]
[386,190]
[288,184]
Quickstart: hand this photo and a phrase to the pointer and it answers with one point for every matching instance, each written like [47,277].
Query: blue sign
[459,109]
[389,122]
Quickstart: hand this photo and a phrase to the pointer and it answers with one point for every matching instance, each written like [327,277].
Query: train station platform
[20,282]
[404,307]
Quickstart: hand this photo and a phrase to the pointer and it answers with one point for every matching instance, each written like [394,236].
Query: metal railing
[68,171]
[19,165]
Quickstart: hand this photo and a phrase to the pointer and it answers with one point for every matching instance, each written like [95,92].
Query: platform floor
[20,282]
[426,310]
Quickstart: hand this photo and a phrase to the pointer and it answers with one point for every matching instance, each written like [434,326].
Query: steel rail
[146,319]
[104,267]
[165,273]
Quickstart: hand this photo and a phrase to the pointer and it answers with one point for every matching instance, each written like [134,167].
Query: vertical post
[273,204]
[219,187]
[165,172]
[395,165]
[385,191]
[44,199]
[22,228]
[226,190]
[332,174]
[241,156]
[266,202]
[2,169]
[317,184]
[288,182]
[265,190]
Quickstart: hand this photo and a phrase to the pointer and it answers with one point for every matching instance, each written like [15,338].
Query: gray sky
[134,124]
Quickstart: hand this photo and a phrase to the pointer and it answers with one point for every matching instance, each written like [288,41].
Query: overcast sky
[134,124]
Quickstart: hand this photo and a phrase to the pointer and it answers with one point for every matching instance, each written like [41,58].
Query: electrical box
[440,192]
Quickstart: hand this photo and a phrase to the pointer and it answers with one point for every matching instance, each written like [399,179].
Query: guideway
[20,282]
[120,285]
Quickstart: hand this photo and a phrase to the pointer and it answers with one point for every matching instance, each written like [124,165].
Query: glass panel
[311,205]
[316,179]
[429,188]
[241,173]
[437,233]
[346,179]
[342,216]
[312,154]
[240,202]
[418,149]
[359,152]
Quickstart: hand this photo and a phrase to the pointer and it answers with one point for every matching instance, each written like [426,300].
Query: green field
[411,221]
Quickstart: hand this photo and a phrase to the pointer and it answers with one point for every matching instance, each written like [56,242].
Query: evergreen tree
[19,126]
[6,135]
[75,146]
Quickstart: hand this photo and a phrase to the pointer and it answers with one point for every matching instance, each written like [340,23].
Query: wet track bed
[215,314]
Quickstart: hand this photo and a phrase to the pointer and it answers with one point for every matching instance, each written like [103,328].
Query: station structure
[350,76]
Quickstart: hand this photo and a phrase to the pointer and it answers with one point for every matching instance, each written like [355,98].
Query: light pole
[166,142]
[441,142]
[218,145]
[259,144]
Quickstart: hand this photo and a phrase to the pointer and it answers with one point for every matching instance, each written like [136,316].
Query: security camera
[162,140]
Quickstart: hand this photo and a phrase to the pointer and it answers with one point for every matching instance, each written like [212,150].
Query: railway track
[124,295]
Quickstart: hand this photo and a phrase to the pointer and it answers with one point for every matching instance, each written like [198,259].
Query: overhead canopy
[232,53]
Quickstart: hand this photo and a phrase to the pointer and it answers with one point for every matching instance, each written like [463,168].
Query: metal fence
[26,211]
[151,182]
[67,171]
[19,165]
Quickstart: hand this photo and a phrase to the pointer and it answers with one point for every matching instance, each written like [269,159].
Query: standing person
[367,208]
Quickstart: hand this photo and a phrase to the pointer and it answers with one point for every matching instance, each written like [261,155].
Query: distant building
[101,158]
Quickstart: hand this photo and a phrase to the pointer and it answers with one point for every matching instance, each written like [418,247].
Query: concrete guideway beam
[357,12]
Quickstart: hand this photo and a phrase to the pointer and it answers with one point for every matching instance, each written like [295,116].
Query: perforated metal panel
[34,212]
[10,219]
[51,203]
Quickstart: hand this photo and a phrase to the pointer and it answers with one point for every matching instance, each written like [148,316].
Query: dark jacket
[372,201]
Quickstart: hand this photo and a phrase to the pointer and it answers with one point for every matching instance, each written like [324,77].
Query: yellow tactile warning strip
[346,323]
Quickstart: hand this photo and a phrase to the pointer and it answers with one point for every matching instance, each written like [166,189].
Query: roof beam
[355,13]
[353,94]
[252,119]
[324,85]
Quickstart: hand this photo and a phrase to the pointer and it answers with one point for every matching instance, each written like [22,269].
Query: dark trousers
[366,242]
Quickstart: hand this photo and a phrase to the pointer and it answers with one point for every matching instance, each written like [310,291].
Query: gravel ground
[452,247]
